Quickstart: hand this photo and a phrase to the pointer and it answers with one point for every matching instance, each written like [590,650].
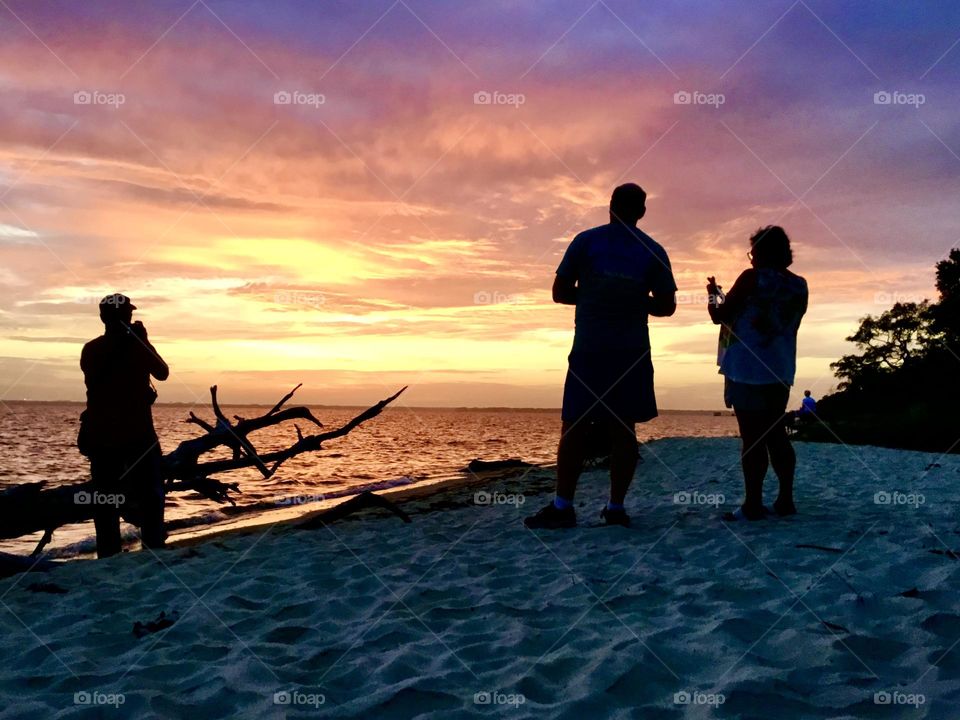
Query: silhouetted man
[116,429]
[617,276]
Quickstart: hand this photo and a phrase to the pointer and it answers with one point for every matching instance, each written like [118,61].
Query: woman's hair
[771,248]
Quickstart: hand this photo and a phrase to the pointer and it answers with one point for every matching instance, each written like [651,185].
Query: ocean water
[402,446]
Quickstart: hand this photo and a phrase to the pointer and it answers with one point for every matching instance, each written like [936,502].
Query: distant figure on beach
[808,406]
[116,429]
[617,276]
[760,317]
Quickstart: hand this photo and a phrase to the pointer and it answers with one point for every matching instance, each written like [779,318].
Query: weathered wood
[15,564]
[32,507]
[29,508]
[359,502]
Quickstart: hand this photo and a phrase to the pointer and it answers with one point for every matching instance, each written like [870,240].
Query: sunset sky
[388,227]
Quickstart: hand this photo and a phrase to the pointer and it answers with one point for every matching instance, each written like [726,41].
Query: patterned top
[760,318]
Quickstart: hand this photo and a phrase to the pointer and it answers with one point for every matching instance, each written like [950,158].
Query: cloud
[395,217]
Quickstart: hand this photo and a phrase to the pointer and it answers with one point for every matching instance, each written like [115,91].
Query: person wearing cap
[116,429]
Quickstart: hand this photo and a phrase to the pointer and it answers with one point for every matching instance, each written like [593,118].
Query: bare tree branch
[284,399]
[32,507]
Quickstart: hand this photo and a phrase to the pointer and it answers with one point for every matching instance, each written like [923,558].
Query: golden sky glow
[399,232]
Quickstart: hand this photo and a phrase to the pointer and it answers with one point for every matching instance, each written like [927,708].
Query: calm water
[400,447]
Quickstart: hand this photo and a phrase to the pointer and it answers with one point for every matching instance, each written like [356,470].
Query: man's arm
[662,304]
[158,368]
[569,271]
[86,364]
[154,363]
[564,291]
[662,301]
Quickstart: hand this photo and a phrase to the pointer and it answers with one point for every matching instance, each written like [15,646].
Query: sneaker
[615,517]
[552,518]
[784,509]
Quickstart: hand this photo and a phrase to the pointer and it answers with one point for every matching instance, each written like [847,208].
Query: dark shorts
[137,476]
[609,386]
[771,398]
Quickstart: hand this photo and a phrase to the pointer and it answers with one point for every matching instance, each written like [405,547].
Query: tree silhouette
[895,341]
[947,312]
[899,388]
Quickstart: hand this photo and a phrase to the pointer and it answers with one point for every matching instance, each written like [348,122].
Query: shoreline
[423,495]
[436,490]
[429,491]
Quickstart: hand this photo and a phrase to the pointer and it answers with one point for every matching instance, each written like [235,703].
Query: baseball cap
[114,302]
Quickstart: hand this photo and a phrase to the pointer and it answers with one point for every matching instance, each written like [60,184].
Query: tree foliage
[947,311]
[895,341]
[899,388]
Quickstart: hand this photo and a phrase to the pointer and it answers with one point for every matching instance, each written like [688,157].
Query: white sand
[389,620]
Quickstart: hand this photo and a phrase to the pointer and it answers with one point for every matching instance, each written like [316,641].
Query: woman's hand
[713,290]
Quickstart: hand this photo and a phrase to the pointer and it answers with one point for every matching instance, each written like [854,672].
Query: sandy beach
[312,314]
[847,611]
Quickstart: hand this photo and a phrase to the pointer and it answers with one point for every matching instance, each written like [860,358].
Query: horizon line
[23,401]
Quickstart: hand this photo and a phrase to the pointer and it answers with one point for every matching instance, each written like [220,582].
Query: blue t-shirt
[616,267]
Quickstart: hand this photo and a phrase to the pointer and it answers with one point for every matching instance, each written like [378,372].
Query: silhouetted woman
[760,317]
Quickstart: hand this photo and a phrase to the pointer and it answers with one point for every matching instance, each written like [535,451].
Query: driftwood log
[15,564]
[32,507]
